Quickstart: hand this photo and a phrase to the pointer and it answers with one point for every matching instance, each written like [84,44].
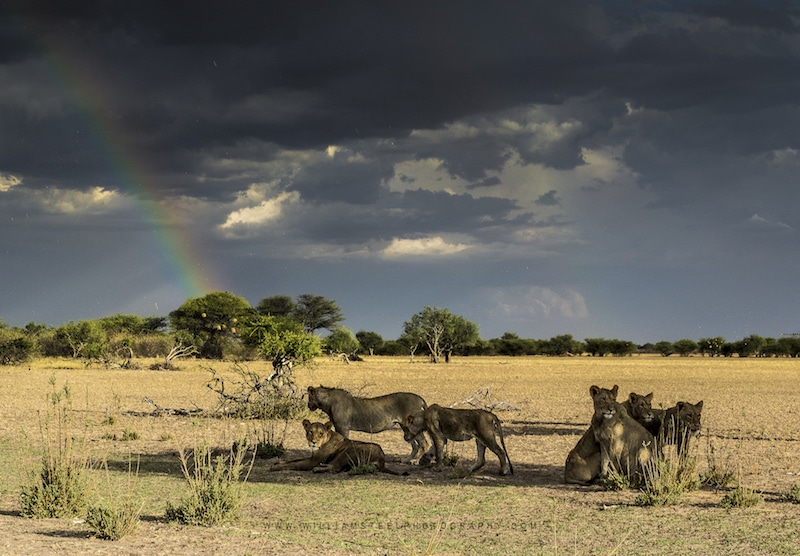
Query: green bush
[665,480]
[794,494]
[741,497]
[114,521]
[216,492]
[59,489]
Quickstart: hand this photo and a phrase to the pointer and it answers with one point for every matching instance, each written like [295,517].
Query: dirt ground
[429,512]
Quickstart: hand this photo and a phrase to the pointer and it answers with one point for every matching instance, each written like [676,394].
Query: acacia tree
[369,341]
[277,306]
[211,320]
[441,331]
[315,312]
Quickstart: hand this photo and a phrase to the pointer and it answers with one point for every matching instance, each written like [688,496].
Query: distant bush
[14,351]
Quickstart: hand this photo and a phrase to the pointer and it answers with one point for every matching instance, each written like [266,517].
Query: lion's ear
[329,425]
[699,405]
[632,397]
[593,390]
[680,405]
[409,419]
[614,391]
[649,397]
[306,424]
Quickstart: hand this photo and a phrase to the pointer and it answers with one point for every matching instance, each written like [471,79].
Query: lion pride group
[621,438]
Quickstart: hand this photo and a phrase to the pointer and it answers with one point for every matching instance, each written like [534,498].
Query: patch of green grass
[741,497]
[666,479]
[794,494]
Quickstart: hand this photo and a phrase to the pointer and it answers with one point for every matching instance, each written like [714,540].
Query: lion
[332,453]
[680,423]
[444,424]
[625,445]
[348,412]
[584,462]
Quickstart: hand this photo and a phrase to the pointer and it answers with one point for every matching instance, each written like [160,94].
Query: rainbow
[84,88]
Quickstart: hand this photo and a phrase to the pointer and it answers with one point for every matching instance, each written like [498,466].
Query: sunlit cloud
[262,214]
[422,247]
[7,181]
[69,201]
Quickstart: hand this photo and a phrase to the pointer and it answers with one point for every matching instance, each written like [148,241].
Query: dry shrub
[216,491]
[59,489]
[116,516]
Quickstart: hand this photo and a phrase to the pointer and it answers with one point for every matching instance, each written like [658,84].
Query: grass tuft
[741,497]
[60,487]
[794,494]
[216,491]
[666,479]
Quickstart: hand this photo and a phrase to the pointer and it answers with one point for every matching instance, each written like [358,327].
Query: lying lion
[332,453]
[445,424]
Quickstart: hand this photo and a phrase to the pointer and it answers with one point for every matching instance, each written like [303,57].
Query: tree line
[283,329]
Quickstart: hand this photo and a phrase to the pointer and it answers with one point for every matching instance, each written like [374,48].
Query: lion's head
[689,416]
[605,401]
[317,434]
[413,425]
[641,407]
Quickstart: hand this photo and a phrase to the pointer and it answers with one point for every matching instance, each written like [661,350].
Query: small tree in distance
[685,347]
[369,341]
[440,330]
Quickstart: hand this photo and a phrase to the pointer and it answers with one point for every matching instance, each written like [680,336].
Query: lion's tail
[499,428]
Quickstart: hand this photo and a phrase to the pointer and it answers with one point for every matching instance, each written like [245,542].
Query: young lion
[332,453]
[444,424]
[583,461]
[680,423]
[625,445]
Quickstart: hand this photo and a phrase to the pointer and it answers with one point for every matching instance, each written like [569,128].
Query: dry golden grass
[751,412]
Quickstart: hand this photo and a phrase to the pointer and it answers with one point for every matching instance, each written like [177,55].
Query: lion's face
[414,424]
[313,400]
[317,434]
[689,416]
[641,407]
[605,401]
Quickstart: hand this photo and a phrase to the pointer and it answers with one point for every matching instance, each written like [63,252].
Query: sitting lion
[583,461]
[625,445]
[680,423]
[445,424]
[332,453]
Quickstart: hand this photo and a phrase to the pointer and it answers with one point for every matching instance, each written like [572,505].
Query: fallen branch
[481,399]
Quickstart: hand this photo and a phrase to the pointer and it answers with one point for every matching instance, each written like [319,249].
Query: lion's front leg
[438,443]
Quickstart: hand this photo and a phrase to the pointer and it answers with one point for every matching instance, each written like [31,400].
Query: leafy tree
[316,312]
[665,348]
[282,341]
[211,321]
[341,340]
[712,346]
[441,331]
[564,344]
[277,306]
[597,346]
[86,338]
[685,347]
[621,347]
[511,344]
[369,341]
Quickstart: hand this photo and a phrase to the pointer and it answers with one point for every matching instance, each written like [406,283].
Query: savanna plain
[751,419]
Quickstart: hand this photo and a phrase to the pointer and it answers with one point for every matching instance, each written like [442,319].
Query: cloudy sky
[618,169]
